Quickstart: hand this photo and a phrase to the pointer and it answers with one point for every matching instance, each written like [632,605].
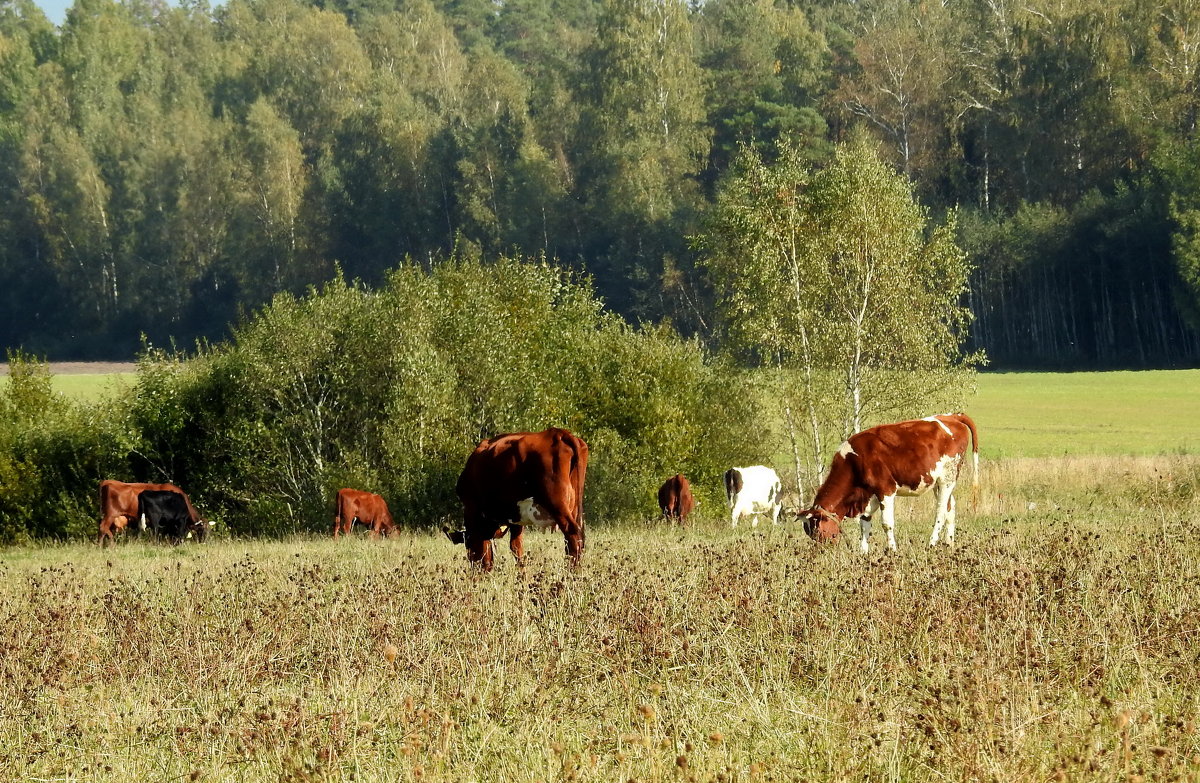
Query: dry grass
[1052,643]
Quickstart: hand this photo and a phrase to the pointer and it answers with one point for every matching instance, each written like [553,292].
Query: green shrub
[53,453]
[389,391]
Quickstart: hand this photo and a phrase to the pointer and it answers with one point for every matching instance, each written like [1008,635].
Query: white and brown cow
[907,458]
[518,480]
[752,491]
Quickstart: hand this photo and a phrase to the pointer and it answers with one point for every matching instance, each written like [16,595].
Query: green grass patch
[87,387]
[1088,413]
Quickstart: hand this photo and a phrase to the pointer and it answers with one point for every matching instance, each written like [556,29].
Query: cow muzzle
[821,526]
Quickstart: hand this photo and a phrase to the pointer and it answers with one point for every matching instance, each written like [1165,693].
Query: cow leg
[775,513]
[951,507]
[887,506]
[516,543]
[939,517]
[945,513]
[479,552]
[864,522]
[337,526]
[573,533]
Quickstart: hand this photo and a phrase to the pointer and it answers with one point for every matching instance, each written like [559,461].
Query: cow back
[548,466]
[119,498]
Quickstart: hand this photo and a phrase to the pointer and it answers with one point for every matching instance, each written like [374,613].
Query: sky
[55,10]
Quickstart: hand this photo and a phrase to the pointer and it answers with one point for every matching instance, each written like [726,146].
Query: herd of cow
[535,479]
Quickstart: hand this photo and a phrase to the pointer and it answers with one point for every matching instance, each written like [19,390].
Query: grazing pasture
[1088,413]
[1057,640]
[86,381]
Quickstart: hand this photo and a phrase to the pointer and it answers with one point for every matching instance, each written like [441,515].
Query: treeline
[165,169]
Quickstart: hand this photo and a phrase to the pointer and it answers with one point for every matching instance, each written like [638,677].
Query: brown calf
[366,508]
[675,499]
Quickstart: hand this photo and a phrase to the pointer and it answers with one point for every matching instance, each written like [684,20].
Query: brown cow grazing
[907,458]
[119,506]
[675,499]
[366,508]
[518,480]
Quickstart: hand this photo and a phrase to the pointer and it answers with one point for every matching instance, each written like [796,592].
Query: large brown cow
[675,499]
[119,506]
[907,458]
[517,480]
[366,508]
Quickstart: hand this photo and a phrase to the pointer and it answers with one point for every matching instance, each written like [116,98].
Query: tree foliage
[164,168]
[389,390]
[835,275]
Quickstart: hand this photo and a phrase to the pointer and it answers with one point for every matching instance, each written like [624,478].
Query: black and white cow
[166,513]
[752,491]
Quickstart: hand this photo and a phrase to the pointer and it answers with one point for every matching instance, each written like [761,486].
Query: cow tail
[733,481]
[579,460]
[103,511]
[970,425]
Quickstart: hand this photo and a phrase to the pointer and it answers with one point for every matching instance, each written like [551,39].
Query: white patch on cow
[760,494]
[946,468]
[142,523]
[940,423]
[845,449]
[534,515]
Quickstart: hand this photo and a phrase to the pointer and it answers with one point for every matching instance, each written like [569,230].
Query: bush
[389,391]
[53,454]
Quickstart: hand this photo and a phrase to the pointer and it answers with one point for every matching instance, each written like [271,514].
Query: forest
[166,170]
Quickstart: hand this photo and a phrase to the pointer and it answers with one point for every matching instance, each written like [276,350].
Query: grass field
[86,386]
[1019,414]
[1115,413]
[1055,641]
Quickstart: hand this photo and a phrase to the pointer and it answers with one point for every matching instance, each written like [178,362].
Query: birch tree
[836,278]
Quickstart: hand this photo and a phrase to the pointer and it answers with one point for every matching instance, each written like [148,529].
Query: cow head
[455,536]
[821,525]
[198,530]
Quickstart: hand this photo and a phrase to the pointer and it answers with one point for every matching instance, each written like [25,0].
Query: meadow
[1025,414]
[1089,413]
[86,381]
[1055,641]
